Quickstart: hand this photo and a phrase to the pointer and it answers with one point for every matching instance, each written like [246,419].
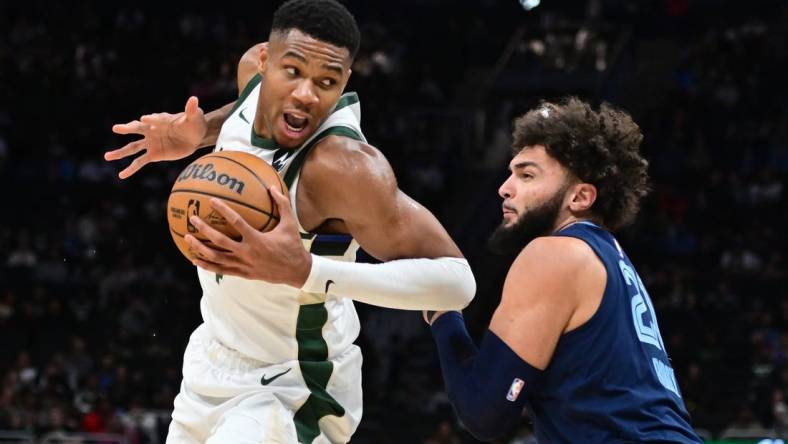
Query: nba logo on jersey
[514,389]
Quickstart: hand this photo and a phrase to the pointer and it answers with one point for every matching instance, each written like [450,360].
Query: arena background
[96,303]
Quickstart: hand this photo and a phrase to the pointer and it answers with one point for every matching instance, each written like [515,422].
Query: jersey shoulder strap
[345,120]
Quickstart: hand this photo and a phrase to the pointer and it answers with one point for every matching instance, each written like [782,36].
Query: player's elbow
[459,283]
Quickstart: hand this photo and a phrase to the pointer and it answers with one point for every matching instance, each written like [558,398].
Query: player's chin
[287,138]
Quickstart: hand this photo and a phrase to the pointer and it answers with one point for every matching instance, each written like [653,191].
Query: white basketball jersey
[278,323]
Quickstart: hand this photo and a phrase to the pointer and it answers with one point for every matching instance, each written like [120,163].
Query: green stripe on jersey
[346,100]
[316,370]
[253,82]
[262,142]
[312,348]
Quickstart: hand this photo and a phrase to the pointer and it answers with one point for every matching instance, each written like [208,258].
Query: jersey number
[642,311]
[645,319]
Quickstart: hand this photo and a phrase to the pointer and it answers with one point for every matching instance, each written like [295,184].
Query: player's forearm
[410,284]
[214,120]
[485,386]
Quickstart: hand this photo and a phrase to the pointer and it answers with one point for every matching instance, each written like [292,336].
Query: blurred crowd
[96,303]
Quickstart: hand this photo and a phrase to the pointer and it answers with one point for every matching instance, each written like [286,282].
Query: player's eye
[328,83]
[292,71]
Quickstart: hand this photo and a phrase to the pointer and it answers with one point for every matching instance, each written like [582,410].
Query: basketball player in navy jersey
[575,339]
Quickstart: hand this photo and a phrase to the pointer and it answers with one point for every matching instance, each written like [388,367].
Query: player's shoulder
[343,157]
[560,258]
[563,249]
[342,146]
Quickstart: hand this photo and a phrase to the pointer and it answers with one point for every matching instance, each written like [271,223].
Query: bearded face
[533,199]
[514,234]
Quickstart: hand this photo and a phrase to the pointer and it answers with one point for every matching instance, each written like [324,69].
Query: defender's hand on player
[277,256]
[165,137]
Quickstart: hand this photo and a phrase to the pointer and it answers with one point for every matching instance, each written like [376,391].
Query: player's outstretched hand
[165,136]
[277,256]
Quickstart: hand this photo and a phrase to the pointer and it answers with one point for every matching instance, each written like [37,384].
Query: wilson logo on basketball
[207,172]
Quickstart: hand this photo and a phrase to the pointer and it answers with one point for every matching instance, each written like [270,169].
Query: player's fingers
[233,218]
[283,205]
[218,238]
[218,269]
[126,151]
[192,105]
[133,127]
[206,250]
[149,118]
[135,166]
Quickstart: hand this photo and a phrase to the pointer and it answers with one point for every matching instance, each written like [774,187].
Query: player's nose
[304,93]
[506,190]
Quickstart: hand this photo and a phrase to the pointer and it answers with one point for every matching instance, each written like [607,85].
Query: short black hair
[326,20]
[599,147]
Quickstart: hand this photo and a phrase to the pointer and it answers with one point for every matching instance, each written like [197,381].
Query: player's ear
[583,197]
[262,61]
[346,78]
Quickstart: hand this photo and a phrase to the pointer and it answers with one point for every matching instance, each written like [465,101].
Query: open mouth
[295,123]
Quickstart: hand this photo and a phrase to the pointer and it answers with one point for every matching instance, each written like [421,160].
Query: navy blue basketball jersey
[610,380]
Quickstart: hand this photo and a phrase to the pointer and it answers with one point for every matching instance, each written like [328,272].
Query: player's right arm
[554,286]
[168,136]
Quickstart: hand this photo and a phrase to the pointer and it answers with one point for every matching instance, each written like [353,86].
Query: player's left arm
[423,266]
[487,386]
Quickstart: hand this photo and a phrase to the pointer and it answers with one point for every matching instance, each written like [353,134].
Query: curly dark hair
[326,20]
[599,147]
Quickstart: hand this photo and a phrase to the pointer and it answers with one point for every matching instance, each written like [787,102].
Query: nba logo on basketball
[514,389]
[192,209]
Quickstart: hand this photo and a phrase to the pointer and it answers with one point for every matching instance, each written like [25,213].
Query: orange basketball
[240,179]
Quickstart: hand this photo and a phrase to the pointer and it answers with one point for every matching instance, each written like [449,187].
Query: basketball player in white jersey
[274,360]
